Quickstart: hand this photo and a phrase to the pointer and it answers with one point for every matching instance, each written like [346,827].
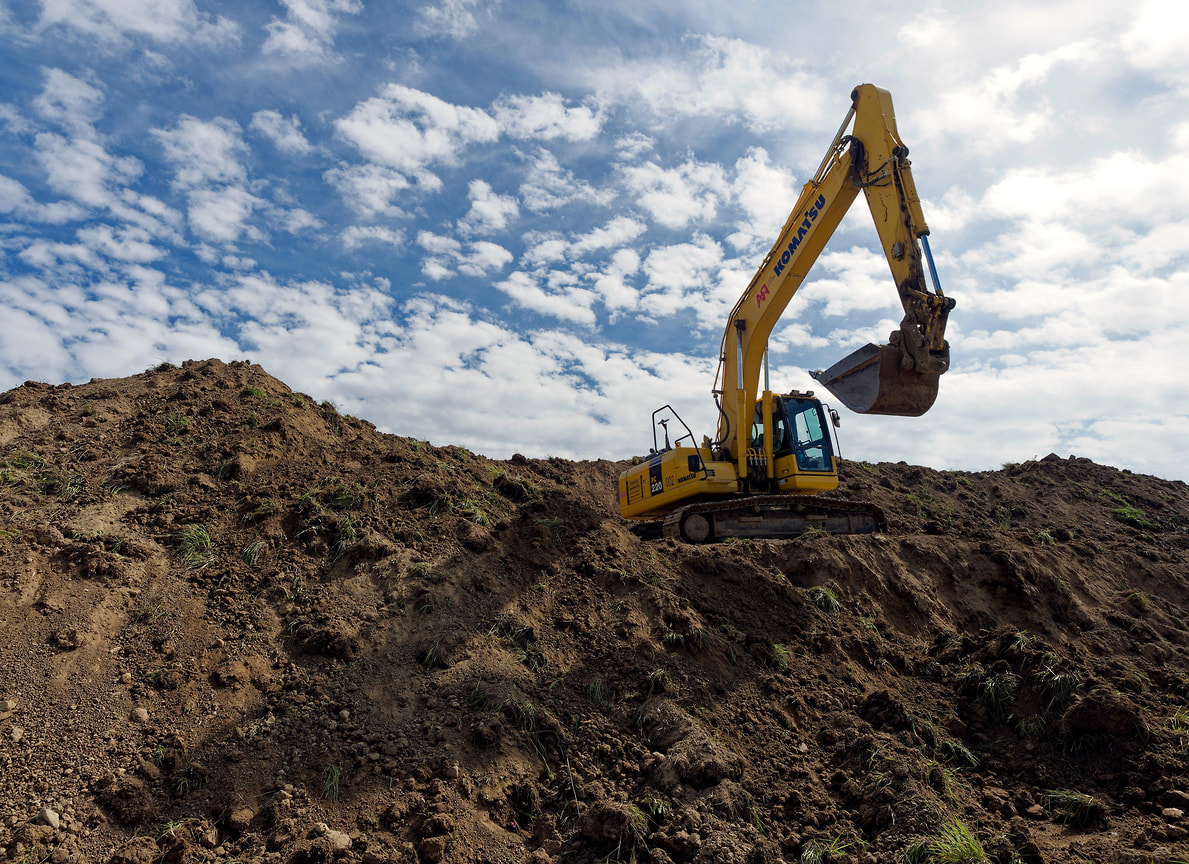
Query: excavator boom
[898,378]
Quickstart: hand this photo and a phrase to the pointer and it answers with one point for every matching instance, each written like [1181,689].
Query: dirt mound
[235,624]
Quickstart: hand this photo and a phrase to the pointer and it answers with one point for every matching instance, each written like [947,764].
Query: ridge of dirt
[238,625]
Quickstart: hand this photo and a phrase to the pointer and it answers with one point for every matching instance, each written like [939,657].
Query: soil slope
[237,625]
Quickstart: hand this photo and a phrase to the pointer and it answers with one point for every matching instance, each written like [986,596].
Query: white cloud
[1006,106]
[454,19]
[448,256]
[203,152]
[549,186]
[306,35]
[69,102]
[294,220]
[16,200]
[925,29]
[618,232]
[565,303]
[675,197]
[856,279]
[633,145]
[114,20]
[1157,38]
[284,132]
[368,189]
[765,193]
[409,130]
[730,80]
[490,212]
[684,275]
[546,117]
[357,235]
[1129,186]
[82,169]
[222,214]
[612,283]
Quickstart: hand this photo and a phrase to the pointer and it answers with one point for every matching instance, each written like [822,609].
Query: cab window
[811,442]
[780,437]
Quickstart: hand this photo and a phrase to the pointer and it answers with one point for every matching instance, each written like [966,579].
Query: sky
[520,226]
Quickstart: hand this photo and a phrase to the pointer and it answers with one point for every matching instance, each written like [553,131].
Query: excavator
[774,453]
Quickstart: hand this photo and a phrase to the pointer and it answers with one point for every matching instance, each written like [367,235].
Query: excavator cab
[802,456]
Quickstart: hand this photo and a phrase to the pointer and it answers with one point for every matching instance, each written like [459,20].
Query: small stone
[7,705]
[1035,812]
[1173,814]
[51,818]
[210,839]
[126,678]
[17,734]
[339,841]
[139,715]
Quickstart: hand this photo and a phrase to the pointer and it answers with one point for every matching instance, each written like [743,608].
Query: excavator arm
[898,378]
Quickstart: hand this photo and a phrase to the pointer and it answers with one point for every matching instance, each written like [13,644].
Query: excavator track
[771,517]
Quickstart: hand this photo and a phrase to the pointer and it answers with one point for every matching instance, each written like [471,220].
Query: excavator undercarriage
[772,517]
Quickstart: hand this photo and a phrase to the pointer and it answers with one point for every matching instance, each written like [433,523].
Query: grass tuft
[332,782]
[194,547]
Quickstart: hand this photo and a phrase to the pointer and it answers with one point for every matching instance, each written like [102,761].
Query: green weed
[998,692]
[596,692]
[781,656]
[825,600]
[1076,808]
[820,851]
[956,844]
[252,552]
[1133,517]
[193,545]
[332,781]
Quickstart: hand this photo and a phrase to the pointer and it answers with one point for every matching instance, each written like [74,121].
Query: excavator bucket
[873,380]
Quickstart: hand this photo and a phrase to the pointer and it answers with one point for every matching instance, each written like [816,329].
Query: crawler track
[772,517]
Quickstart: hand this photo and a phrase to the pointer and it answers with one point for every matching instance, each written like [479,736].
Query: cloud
[675,197]
[222,214]
[1004,106]
[549,186]
[82,169]
[1157,38]
[490,212]
[285,133]
[730,80]
[69,102]
[15,200]
[203,152]
[546,117]
[112,21]
[453,19]
[765,194]
[368,189]
[356,235]
[409,130]
[306,34]
[447,257]
[856,279]
[561,301]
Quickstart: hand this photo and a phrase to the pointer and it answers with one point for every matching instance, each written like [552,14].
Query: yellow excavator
[774,452]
